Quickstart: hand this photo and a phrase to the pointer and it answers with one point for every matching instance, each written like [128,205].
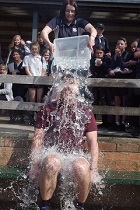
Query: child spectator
[100,39]
[118,70]
[35,65]
[17,43]
[100,65]
[16,68]
[41,43]
[135,131]
[6,94]
[47,55]
[132,100]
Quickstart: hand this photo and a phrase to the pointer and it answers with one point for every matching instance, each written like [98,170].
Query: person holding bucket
[68,25]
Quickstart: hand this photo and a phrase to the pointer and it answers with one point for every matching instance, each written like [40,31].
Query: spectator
[16,68]
[100,39]
[6,94]
[17,43]
[35,65]
[68,25]
[47,56]
[41,43]
[135,132]
[100,64]
[119,70]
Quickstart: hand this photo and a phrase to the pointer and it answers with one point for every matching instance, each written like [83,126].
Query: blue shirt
[62,30]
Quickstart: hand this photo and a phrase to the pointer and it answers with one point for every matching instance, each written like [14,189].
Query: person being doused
[63,124]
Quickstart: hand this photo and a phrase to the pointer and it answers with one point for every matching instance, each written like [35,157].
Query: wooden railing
[94,82]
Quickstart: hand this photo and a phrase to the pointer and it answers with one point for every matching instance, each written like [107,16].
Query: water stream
[71,102]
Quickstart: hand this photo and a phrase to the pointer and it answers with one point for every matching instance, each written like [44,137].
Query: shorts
[66,159]
[34,86]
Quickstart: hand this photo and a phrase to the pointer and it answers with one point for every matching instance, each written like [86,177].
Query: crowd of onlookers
[34,59]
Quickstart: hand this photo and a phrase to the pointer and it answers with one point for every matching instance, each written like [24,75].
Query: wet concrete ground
[12,206]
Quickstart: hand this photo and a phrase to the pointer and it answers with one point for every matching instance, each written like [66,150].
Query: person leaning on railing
[6,94]
[117,70]
[16,68]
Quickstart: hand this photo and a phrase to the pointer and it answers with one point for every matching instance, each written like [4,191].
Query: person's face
[2,70]
[99,54]
[34,50]
[70,90]
[121,45]
[17,41]
[134,46]
[47,56]
[99,31]
[70,13]
[16,56]
[40,40]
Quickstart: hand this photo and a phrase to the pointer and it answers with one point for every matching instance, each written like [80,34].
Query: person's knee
[80,167]
[51,165]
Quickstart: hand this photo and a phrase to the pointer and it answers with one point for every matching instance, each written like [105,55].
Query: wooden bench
[111,177]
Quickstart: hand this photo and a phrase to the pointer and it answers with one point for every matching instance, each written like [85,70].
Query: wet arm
[38,138]
[36,146]
[93,148]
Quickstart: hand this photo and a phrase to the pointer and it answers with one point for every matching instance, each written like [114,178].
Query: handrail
[93,82]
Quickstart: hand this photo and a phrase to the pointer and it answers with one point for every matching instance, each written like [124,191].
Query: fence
[94,82]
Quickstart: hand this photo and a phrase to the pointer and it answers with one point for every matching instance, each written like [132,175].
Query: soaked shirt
[65,127]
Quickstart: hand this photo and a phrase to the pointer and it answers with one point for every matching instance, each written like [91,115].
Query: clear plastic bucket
[72,53]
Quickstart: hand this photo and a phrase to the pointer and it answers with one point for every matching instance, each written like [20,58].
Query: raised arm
[93,33]
[45,36]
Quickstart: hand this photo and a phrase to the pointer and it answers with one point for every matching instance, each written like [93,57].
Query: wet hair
[63,8]
[99,47]
[16,51]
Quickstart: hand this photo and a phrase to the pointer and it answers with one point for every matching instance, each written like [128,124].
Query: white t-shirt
[35,64]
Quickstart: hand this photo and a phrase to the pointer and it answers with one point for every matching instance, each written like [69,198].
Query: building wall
[119,19]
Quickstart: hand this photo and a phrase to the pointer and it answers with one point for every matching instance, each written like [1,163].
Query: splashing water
[63,119]
[64,115]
